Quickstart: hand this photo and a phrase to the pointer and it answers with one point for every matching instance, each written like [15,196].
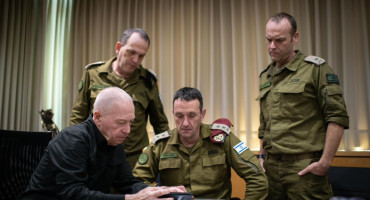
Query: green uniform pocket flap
[334,89]
[263,93]
[170,163]
[292,88]
[218,159]
[95,90]
[141,99]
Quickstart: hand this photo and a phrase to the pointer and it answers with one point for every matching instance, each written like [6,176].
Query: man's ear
[118,47]
[203,113]
[295,37]
[96,117]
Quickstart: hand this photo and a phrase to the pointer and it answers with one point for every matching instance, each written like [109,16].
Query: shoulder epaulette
[314,59]
[150,78]
[94,64]
[264,70]
[160,136]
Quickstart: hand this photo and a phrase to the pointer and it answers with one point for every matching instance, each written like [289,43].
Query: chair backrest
[20,153]
[350,182]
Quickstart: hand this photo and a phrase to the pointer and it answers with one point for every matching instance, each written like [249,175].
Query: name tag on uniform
[168,155]
[240,147]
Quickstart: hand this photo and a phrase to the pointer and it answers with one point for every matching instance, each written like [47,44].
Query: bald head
[109,97]
[114,112]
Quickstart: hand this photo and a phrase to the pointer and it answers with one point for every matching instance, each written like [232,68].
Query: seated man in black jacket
[84,161]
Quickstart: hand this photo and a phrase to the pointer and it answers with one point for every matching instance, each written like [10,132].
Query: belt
[284,157]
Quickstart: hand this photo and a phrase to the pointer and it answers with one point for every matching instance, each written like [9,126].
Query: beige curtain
[218,46]
[21,63]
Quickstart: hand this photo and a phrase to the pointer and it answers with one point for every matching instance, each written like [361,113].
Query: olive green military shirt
[204,169]
[297,104]
[143,89]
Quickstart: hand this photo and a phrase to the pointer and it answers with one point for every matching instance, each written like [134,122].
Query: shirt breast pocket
[94,91]
[262,98]
[292,88]
[171,171]
[141,103]
[263,94]
[214,168]
[293,99]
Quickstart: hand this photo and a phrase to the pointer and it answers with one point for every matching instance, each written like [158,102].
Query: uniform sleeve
[330,96]
[261,97]
[157,117]
[262,127]
[81,106]
[146,169]
[246,165]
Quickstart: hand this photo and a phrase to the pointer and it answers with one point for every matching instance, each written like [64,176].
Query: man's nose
[135,58]
[272,45]
[186,121]
[126,128]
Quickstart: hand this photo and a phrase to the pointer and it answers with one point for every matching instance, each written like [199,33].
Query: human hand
[180,187]
[262,161]
[152,193]
[317,168]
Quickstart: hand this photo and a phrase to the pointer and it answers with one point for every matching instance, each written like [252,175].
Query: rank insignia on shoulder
[160,136]
[143,158]
[94,64]
[314,59]
[240,147]
[220,128]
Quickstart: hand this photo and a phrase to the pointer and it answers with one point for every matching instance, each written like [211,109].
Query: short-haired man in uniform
[125,71]
[302,117]
[200,156]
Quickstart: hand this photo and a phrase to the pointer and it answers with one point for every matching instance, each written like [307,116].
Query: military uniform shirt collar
[205,132]
[175,138]
[292,65]
[107,68]
[138,73]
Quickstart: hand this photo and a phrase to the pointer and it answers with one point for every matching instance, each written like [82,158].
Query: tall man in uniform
[200,156]
[302,117]
[85,160]
[125,71]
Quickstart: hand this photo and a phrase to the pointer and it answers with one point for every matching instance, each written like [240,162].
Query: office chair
[20,153]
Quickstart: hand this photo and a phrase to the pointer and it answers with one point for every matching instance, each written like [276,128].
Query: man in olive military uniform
[125,71]
[302,117]
[200,156]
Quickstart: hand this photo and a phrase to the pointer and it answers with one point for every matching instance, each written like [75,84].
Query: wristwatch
[263,156]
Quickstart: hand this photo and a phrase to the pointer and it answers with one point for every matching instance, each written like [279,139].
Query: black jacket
[78,164]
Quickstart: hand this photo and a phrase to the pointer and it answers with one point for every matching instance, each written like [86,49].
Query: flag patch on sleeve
[240,147]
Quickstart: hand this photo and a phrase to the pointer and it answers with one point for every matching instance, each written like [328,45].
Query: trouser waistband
[284,157]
